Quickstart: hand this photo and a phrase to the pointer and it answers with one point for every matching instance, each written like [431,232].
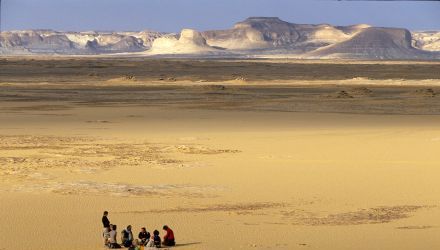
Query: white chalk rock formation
[188,42]
[427,40]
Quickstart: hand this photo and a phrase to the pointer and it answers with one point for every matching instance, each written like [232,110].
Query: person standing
[106,224]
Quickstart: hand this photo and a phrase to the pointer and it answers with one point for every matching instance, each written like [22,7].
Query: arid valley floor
[232,154]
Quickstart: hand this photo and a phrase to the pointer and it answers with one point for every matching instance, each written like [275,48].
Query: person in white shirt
[112,240]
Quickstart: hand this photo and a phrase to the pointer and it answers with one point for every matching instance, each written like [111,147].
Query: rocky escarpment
[375,43]
[271,33]
[427,40]
[255,36]
[53,42]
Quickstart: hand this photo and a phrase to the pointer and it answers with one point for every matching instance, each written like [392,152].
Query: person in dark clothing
[107,229]
[105,220]
[156,239]
[127,236]
[144,236]
[168,239]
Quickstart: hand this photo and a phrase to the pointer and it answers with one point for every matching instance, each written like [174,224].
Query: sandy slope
[221,179]
[296,155]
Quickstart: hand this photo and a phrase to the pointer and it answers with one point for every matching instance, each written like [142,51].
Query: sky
[173,15]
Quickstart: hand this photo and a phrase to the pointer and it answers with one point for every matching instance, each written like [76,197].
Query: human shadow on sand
[187,244]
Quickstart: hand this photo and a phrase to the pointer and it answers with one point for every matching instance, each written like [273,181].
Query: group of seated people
[145,239]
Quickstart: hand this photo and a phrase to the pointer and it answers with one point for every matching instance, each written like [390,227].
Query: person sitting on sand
[144,236]
[150,243]
[168,239]
[127,236]
[135,246]
[106,224]
[112,240]
[155,240]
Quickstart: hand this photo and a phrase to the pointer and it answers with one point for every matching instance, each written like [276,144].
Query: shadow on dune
[187,244]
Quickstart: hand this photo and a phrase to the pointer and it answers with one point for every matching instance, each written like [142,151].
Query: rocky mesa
[255,36]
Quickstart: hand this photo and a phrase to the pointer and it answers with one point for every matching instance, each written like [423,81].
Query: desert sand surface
[286,158]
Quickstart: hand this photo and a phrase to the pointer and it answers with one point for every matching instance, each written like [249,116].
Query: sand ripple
[238,208]
[376,215]
[303,217]
[117,189]
[85,154]
[28,160]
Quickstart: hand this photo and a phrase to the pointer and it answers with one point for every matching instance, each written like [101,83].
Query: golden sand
[220,179]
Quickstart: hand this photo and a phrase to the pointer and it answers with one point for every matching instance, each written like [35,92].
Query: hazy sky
[173,15]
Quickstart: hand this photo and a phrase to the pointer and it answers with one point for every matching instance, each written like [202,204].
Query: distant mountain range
[253,37]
